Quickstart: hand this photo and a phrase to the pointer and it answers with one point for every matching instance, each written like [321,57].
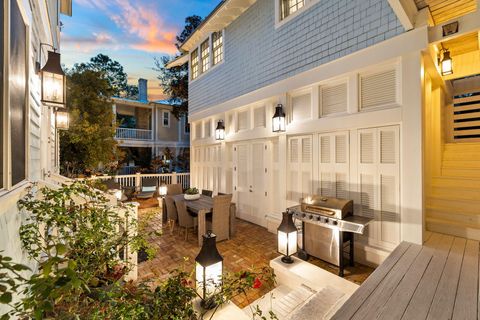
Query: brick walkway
[252,245]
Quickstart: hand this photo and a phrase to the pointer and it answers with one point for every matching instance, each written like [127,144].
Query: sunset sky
[132,32]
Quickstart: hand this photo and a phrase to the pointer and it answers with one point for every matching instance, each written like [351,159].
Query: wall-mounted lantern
[446,64]
[278,120]
[220,131]
[62,120]
[208,270]
[287,237]
[52,79]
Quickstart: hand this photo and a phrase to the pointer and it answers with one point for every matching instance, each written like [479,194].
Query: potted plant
[191,194]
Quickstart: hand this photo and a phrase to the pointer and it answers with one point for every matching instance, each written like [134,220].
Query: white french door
[251,180]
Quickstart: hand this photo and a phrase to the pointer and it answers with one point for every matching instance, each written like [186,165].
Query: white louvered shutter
[299,175]
[333,99]
[242,120]
[301,107]
[379,179]
[198,130]
[207,129]
[259,120]
[378,89]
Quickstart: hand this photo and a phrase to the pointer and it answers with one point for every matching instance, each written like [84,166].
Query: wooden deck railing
[135,180]
[133,134]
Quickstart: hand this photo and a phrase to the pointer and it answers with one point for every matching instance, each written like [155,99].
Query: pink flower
[257,283]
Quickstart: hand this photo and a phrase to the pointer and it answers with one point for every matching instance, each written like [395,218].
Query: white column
[412,197]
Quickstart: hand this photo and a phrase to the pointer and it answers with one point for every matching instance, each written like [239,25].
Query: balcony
[133,134]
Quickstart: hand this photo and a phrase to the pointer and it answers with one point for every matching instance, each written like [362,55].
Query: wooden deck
[439,280]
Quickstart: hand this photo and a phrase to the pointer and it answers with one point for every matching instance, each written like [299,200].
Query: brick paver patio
[252,245]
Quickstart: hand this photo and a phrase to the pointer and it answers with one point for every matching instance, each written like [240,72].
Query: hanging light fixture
[53,80]
[220,131]
[62,120]
[278,120]
[446,63]
[287,237]
[208,270]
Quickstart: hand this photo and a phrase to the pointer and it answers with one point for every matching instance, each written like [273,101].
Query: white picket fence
[135,180]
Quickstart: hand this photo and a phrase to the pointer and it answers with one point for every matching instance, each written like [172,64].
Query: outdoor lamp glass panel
[287,237]
[208,270]
[118,194]
[62,120]
[220,131]
[278,120]
[446,64]
[162,191]
[53,81]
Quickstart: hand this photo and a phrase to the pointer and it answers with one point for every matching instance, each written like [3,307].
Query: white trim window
[166,119]
[194,64]
[217,47]
[205,55]
[288,7]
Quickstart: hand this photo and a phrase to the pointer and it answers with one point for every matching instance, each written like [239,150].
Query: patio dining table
[201,207]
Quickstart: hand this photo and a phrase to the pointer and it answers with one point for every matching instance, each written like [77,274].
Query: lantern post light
[446,63]
[162,190]
[220,131]
[287,237]
[278,120]
[208,270]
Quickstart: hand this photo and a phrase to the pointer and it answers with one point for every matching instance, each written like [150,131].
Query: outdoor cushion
[145,195]
[149,189]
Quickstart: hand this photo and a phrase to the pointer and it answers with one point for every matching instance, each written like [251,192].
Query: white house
[369,115]
[28,134]
[147,128]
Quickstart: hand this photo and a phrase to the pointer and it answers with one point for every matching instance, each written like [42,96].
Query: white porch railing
[133,134]
[135,180]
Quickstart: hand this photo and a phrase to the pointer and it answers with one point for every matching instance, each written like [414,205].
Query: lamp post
[278,120]
[208,270]
[162,190]
[287,237]
[220,131]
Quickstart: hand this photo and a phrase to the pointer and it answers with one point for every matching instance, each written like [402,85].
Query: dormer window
[289,7]
[217,45]
[205,53]
[194,64]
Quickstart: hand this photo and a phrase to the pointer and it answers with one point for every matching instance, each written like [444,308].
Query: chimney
[142,89]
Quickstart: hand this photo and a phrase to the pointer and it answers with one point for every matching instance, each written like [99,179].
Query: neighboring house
[147,128]
[28,138]
[367,109]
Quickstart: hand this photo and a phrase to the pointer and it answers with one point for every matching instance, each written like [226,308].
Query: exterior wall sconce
[446,63]
[62,120]
[287,237]
[52,79]
[208,270]
[220,131]
[278,120]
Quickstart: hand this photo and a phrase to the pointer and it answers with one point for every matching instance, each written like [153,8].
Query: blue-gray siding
[257,54]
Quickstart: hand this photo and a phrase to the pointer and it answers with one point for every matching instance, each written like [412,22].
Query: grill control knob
[310,217]
[303,215]
[326,220]
[317,218]
[335,222]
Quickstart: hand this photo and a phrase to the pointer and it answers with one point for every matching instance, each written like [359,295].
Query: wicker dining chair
[220,224]
[172,214]
[174,189]
[184,219]
[207,193]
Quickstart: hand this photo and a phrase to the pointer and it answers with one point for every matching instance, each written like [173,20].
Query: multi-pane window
[217,47]
[194,64]
[205,54]
[166,118]
[290,6]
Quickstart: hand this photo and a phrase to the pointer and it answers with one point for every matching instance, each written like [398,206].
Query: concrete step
[454,228]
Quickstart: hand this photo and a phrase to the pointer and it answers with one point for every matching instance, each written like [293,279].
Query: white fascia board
[413,41]
[179,61]
[466,24]
[406,11]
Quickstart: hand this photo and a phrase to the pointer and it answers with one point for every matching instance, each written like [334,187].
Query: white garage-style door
[252,180]
[362,165]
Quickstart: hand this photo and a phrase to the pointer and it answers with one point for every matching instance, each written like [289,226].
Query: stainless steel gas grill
[328,225]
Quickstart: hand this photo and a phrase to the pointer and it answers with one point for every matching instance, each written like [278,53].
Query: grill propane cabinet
[328,226]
